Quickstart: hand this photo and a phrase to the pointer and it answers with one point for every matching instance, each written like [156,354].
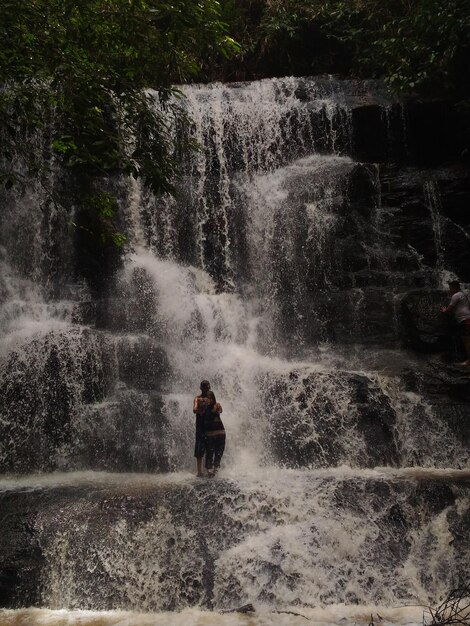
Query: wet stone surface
[198,544]
[316,424]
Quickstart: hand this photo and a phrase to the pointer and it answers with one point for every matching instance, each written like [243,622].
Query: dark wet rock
[376,420]
[315,418]
[424,212]
[446,389]
[425,328]
[246,608]
[366,275]
[432,498]
[459,523]
[129,432]
[60,406]
[21,558]
[440,381]
[142,362]
[132,305]
[43,382]
[381,280]
[170,545]
[362,315]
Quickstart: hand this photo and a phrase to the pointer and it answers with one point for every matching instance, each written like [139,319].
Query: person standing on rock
[459,306]
[199,408]
[215,434]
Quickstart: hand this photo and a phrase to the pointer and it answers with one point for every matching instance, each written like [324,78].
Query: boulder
[446,389]
[320,419]
[425,328]
[142,362]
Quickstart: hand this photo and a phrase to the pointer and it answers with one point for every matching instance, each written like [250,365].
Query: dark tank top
[200,420]
[213,425]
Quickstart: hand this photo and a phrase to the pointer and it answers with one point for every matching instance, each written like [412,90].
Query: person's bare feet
[211,473]
[464,363]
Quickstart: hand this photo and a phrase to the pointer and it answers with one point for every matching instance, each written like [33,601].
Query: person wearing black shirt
[199,408]
[215,434]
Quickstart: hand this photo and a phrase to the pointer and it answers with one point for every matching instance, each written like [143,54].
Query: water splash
[432,197]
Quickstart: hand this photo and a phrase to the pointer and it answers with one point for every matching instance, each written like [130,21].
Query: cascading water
[261,275]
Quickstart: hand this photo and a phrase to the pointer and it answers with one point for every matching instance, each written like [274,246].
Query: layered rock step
[140,542]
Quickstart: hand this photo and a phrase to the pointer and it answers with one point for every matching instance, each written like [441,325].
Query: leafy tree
[412,44]
[78,73]
[92,60]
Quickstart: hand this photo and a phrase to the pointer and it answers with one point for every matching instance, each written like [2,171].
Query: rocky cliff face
[300,268]
[332,210]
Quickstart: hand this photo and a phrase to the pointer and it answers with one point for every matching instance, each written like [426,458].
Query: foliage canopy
[81,69]
[79,72]
[412,44]
[89,63]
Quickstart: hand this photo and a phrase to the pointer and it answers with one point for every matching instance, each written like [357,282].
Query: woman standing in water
[215,434]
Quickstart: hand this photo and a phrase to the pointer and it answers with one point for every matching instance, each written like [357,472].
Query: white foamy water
[24,311]
[303,541]
[140,481]
[260,116]
[339,614]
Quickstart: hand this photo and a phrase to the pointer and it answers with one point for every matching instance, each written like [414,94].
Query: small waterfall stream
[275,274]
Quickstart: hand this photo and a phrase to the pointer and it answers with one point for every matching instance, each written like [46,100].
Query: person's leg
[199,461]
[219,452]
[464,333]
[466,343]
[209,456]
[199,451]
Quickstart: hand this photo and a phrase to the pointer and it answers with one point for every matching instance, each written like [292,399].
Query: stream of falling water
[316,513]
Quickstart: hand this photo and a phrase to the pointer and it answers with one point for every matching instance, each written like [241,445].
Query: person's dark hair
[454,284]
[211,396]
[205,384]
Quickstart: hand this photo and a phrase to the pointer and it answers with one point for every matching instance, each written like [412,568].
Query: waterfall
[275,273]
[431,192]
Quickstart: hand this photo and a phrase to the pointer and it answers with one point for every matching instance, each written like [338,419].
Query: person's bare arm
[451,306]
[196,405]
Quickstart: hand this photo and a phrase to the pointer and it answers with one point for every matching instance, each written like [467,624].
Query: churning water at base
[193,617]
[240,280]
[333,614]
[284,540]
